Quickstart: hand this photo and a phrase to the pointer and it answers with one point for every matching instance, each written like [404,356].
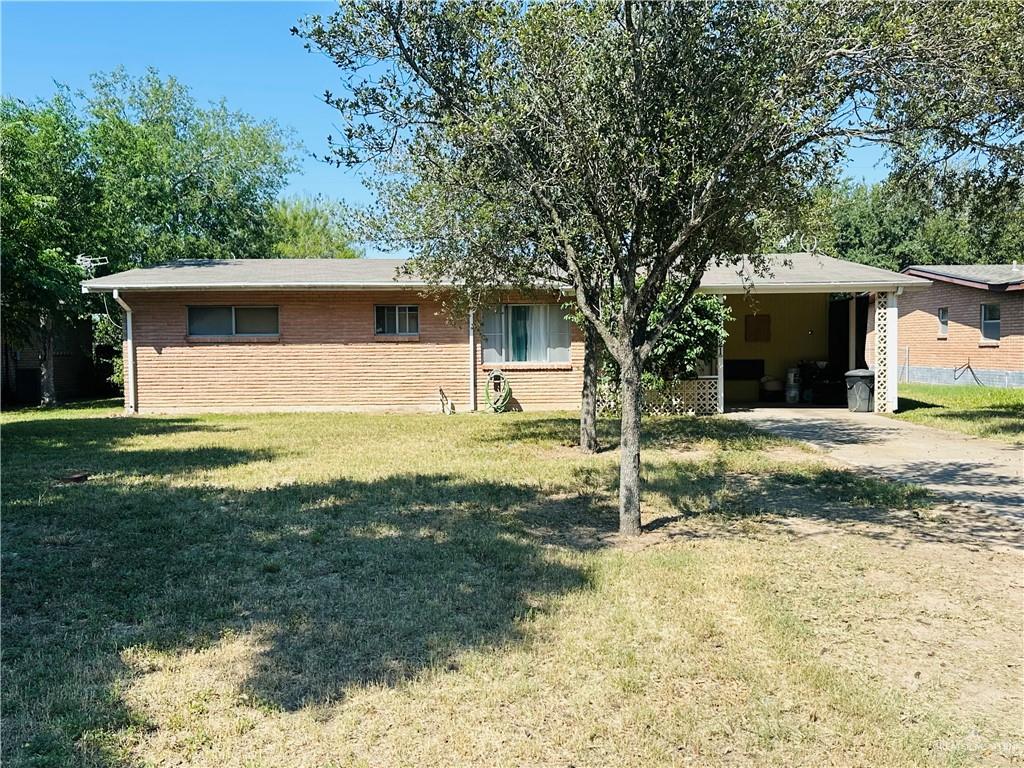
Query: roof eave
[981,285]
[860,287]
[86,288]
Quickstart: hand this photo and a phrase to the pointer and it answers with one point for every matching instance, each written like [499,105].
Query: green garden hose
[499,391]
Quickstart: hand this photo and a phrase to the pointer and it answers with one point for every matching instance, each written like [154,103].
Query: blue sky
[241,51]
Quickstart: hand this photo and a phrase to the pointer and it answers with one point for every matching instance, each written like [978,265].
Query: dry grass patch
[310,590]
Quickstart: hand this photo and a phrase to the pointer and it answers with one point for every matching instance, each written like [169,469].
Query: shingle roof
[804,273]
[258,273]
[788,273]
[995,277]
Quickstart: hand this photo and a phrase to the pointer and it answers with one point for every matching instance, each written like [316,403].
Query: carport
[806,312]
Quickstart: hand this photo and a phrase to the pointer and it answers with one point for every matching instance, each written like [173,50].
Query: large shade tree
[179,179]
[634,144]
[132,172]
[48,202]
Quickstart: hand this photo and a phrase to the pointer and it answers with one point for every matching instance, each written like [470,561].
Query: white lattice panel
[685,396]
[886,365]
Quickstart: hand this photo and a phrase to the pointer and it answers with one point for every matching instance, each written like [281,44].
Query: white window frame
[397,308]
[997,322]
[506,334]
[232,307]
[943,322]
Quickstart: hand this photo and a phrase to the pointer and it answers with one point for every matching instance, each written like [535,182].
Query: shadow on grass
[52,447]
[994,419]
[85,404]
[342,583]
[893,512]
[908,404]
[657,432]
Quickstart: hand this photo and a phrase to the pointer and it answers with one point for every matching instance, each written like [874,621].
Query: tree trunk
[629,444]
[588,409]
[47,384]
[10,372]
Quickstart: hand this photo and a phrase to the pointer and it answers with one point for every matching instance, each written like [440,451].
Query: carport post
[720,368]
[851,362]
[887,365]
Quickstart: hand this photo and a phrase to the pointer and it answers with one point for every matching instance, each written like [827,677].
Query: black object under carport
[860,390]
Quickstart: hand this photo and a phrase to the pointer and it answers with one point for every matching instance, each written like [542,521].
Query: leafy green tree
[310,228]
[137,173]
[894,226]
[640,142]
[180,181]
[48,199]
[692,340]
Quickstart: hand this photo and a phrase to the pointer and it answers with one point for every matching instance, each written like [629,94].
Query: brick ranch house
[353,334]
[971,318]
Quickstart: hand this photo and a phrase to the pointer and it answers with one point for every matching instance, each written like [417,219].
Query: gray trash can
[860,390]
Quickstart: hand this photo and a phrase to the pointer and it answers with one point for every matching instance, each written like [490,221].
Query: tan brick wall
[539,388]
[919,325]
[326,357]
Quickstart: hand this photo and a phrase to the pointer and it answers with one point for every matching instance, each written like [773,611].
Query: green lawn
[385,590]
[983,411]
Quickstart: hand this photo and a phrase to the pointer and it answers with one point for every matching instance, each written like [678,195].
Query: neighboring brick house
[971,319]
[358,334]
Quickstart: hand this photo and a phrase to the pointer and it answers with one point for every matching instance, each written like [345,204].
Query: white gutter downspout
[130,390]
[472,361]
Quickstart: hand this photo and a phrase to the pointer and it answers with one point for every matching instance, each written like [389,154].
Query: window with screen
[943,314]
[526,333]
[990,329]
[232,321]
[396,320]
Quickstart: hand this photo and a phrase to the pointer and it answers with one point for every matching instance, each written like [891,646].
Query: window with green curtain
[526,333]
[519,333]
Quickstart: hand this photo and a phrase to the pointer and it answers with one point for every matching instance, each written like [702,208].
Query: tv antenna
[88,264]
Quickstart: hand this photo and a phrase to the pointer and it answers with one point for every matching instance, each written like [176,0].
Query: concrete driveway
[983,473]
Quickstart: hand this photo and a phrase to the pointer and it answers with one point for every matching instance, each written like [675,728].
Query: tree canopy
[626,146]
[179,180]
[134,172]
[311,228]
[893,225]
[48,203]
